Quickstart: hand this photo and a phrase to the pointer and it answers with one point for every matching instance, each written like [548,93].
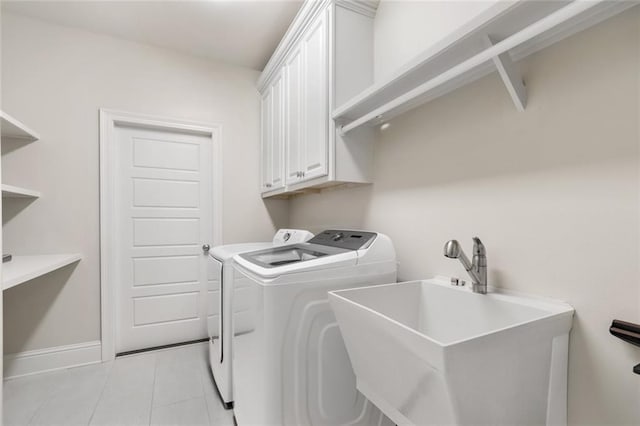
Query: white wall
[553,192]
[55,79]
[423,23]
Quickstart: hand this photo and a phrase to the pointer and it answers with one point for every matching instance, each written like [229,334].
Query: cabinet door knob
[206,248]
[268,185]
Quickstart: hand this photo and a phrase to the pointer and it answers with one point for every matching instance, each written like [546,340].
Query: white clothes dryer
[291,366]
[224,307]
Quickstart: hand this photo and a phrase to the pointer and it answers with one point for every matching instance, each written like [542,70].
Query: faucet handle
[478,247]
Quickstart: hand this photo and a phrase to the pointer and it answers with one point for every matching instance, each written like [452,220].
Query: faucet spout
[477,268]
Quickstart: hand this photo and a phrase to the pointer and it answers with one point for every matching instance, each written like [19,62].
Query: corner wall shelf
[507,31]
[10,191]
[24,268]
[13,129]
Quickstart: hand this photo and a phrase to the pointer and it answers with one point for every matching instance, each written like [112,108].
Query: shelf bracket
[510,77]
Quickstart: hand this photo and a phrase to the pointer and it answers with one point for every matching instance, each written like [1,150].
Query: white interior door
[163,196]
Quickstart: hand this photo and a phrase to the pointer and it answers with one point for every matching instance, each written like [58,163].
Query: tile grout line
[199,367]
[50,394]
[204,375]
[153,386]
[193,398]
[104,387]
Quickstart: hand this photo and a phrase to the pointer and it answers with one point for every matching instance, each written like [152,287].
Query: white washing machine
[222,302]
[290,363]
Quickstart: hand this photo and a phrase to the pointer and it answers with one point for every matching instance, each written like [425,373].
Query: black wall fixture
[629,332]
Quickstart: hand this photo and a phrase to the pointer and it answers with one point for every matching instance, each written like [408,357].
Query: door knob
[206,248]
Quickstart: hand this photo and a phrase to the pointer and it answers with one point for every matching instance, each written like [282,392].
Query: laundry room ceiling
[239,32]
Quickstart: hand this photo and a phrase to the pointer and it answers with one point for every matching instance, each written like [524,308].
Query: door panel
[165,308]
[278,123]
[294,114]
[165,231]
[316,107]
[266,139]
[165,270]
[167,155]
[163,217]
[165,193]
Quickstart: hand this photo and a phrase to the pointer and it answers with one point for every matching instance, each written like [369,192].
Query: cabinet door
[278,118]
[316,105]
[295,116]
[266,138]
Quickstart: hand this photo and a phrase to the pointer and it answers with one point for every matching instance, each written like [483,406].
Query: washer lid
[285,255]
[295,258]
[225,252]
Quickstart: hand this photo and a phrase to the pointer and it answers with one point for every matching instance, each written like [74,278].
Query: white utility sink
[426,352]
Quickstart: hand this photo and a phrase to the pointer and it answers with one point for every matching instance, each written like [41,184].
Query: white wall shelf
[24,268]
[13,129]
[10,191]
[516,29]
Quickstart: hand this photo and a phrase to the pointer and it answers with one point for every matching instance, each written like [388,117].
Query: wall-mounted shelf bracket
[510,77]
[520,27]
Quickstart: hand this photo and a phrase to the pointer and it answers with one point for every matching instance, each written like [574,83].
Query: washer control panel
[351,240]
[290,236]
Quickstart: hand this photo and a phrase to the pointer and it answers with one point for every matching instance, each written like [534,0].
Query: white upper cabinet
[307,106]
[314,147]
[294,113]
[278,142]
[272,135]
[317,61]
[266,138]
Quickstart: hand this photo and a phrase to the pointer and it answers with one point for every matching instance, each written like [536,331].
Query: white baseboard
[50,359]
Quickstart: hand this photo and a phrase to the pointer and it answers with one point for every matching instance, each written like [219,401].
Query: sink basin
[426,352]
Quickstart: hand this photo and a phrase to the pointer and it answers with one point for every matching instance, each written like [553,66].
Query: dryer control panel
[351,240]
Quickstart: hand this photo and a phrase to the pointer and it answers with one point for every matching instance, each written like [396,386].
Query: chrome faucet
[476,269]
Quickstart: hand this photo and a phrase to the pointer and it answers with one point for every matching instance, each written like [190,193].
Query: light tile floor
[166,387]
